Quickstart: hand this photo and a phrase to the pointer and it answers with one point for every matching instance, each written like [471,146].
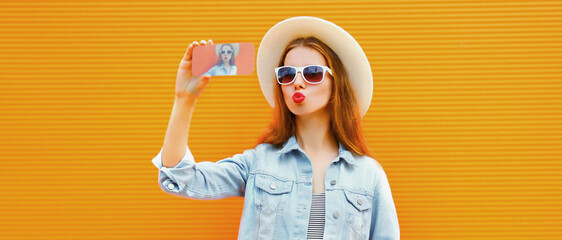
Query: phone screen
[223,59]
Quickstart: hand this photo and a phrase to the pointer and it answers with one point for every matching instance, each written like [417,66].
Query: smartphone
[223,59]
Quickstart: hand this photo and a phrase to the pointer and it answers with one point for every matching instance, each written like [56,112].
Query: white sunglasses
[313,74]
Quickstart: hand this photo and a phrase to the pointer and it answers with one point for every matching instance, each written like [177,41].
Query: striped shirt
[317,217]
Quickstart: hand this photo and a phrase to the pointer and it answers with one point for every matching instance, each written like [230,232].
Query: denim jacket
[220,70]
[277,187]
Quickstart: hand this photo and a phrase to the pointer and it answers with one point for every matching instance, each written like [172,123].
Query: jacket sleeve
[384,221]
[211,71]
[205,180]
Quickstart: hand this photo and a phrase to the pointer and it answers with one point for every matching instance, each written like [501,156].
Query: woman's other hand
[188,85]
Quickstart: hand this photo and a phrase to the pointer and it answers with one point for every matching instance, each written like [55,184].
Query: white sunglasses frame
[300,69]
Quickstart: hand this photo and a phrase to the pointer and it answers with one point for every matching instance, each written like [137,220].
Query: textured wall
[466,116]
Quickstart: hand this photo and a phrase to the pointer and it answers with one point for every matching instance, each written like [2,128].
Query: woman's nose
[299,82]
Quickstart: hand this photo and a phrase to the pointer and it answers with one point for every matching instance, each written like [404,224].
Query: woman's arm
[179,174]
[188,89]
[175,141]
[384,221]
[206,180]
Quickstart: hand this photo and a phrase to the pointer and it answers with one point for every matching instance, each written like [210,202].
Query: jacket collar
[292,144]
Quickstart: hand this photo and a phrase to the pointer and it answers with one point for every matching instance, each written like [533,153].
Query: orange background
[466,116]
[205,57]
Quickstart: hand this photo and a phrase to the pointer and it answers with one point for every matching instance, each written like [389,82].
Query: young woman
[225,64]
[311,176]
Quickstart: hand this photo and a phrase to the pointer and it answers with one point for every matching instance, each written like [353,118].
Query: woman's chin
[302,110]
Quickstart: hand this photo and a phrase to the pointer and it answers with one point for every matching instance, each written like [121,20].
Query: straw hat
[341,42]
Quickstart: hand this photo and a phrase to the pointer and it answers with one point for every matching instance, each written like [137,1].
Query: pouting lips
[298,97]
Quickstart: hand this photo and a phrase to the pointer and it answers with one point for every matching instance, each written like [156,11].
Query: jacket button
[336,214]
[171,186]
[333,182]
[359,201]
[272,186]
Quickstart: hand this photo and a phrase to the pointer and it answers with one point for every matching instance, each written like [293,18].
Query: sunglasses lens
[313,74]
[227,51]
[286,75]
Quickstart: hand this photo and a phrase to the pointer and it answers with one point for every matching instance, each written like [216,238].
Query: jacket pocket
[359,214]
[271,197]
[273,185]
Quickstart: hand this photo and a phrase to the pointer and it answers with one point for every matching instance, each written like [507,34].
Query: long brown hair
[345,122]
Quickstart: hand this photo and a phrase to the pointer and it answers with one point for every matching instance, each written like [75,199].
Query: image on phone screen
[223,59]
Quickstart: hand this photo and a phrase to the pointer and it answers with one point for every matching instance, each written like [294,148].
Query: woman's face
[226,53]
[316,96]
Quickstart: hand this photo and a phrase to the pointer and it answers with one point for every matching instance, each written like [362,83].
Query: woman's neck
[314,134]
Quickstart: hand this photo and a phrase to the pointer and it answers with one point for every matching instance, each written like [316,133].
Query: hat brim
[341,42]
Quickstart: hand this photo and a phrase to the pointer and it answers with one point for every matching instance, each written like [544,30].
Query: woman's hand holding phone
[188,86]
[188,89]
